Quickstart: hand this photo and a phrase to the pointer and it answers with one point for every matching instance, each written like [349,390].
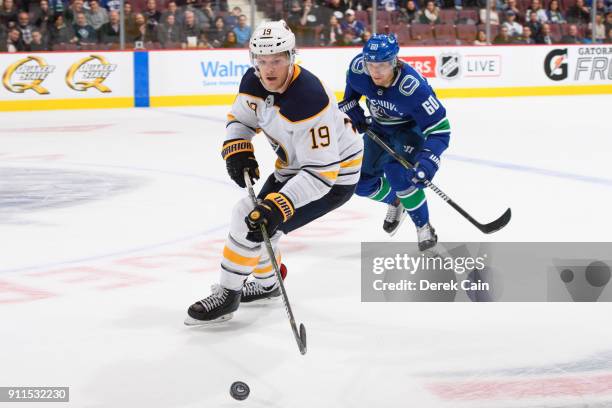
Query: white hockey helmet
[272,37]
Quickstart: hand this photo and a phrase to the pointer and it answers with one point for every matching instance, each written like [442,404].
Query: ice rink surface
[112,223]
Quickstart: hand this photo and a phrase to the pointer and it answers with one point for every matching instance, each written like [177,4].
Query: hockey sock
[415,203]
[383,192]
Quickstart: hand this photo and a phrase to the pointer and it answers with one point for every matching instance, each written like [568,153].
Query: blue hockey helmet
[381,48]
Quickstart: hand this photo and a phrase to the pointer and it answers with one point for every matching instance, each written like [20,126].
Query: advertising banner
[66,80]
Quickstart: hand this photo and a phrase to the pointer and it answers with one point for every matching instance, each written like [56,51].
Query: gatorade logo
[555,64]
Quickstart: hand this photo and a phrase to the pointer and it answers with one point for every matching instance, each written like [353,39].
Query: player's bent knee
[366,186]
[241,209]
[396,175]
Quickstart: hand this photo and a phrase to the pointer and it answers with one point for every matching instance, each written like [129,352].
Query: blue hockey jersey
[408,102]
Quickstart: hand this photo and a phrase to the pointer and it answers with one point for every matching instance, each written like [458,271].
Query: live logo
[482,65]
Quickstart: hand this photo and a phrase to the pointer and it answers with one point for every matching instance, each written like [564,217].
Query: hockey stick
[489,228]
[300,337]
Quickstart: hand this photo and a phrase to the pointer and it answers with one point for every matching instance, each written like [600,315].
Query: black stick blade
[302,339]
[498,224]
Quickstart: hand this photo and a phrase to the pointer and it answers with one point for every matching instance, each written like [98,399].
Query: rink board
[85,80]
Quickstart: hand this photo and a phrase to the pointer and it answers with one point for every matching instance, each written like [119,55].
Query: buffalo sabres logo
[450,66]
[279,150]
[270,101]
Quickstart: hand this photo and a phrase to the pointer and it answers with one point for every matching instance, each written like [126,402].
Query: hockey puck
[239,390]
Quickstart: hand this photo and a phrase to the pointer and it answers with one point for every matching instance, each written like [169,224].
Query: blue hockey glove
[355,113]
[425,168]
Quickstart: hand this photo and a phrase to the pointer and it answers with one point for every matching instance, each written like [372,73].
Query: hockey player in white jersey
[317,168]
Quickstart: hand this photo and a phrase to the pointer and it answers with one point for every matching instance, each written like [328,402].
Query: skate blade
[261,301]
[392,233]
[190,321]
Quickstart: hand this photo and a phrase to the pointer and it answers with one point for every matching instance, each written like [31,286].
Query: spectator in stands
[169,32]
[113,5]
[84,32]
[191,32]
[339,6]
[25,28]
[75,8]
[572,36]
[411,14]
[152,15]
[503,37]
[8,14]
[60,32]
[578,13]
[216,36]
[554,13]
[347,39]
[230,40]
[332,33]
[493,14]
[242,31]
[365,36]
[599,30]
[545,36]
[13,41]
[294,14]
[536,7]
[526,37]
[38,42]
[143,33]
[431,14]
[313,17]
[534,24]
[514,28]
[96,15]
[208,15]
[481,38]
[608,22]
[350,22]
[359,4]
[42,17]
[201,19]
[609,36]
[600,7]
[172,9]
[387,5]
[231,20]
[109,32]
[511,5]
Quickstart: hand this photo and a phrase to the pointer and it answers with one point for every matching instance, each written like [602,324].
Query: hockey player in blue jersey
[407,115]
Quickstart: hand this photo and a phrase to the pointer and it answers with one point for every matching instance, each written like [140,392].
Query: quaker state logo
[27,74]
[90,72]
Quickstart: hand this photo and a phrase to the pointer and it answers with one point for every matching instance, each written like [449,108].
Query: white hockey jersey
[314,142]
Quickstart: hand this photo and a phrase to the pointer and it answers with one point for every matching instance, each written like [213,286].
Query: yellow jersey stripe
[352,163]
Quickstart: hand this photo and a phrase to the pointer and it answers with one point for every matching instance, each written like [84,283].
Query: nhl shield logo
[449,66]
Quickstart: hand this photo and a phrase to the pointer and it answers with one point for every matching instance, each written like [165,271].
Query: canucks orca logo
[279,150]
[357,66]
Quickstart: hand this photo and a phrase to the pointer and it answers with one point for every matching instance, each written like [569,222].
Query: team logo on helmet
[450,66]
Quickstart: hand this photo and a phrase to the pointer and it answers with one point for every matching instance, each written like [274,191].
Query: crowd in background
[40,25]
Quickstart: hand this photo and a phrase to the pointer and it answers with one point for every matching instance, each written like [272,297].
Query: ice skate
[395,217]
[427,237]
[216,308]
[254,291]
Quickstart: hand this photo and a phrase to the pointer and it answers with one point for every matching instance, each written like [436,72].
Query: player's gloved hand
[239,155]
[425,168]
[271,212]
[355,112]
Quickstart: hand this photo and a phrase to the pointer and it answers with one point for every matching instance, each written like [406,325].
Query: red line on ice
[527,388]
